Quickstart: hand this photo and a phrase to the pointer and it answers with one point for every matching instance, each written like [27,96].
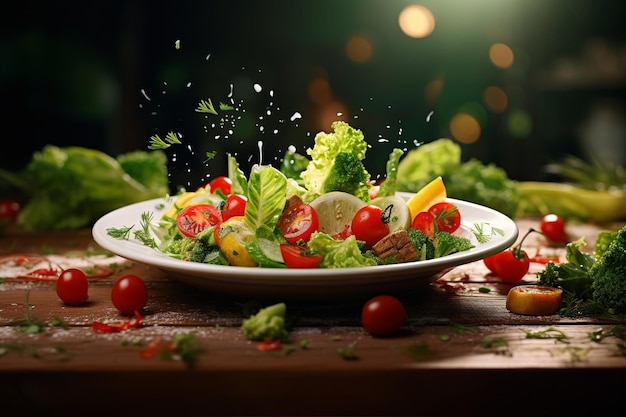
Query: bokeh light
[359,49]
[519,123]
[330,112]
[501,55]
[416,21]
[495,99]
[465,128]
[319,91]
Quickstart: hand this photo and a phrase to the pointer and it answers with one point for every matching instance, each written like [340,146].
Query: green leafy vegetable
[267,192]
[267,324]
[338,253]
[473,181]
[589,283]
[70,188]
[336,163]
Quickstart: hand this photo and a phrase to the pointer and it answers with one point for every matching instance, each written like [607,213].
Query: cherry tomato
[299,257]
[298,222]
[370,224]
[553,228]
[129,294]
[234,205]
[512,264]
[446,216]
[222,183]
[425,222]
[383,315]
[195,218]
[72,287]
[9,209]
[489,262]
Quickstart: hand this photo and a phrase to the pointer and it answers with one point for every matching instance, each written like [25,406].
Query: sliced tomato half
[194,219]
[298,222]
[299,257]
[447,216]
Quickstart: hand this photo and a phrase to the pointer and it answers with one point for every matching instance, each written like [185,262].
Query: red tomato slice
[425,222]
[298,222]
[299,257]
[194,219]
[447,216]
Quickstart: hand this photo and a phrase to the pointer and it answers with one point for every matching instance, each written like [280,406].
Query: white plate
[307,283]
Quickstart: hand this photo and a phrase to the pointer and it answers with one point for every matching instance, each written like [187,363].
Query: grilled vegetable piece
[397,245]
[534,300]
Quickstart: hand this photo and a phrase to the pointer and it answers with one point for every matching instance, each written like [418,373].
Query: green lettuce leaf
[267,192]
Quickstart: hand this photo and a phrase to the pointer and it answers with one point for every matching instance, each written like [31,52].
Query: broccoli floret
[571,276]
[422,244]
[603,240]
[267,324]
[327,170]
[609,276]
[347,174]
[204,253]
[446,244]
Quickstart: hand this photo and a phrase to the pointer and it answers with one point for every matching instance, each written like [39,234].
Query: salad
[317,211]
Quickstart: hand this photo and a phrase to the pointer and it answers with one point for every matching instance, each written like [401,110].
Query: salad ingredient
[383,315]
[267,193]
[9,209]
[446,216]
[296,256]
[592,175]
[194,219]
[298,222]
[235,205]
[432,193]
[344,253]
[473,181]
[396,248]
[117,326]
[603,240]
[511,264]
[573,202]
[267,324]
[336,163]
[222,183]
[389,186]
[233,236]
[553,227]
[129,294]
[534,300]
[446,244]
[609,276]
[424,222]
[72,287]
[399,216]
[370,224]
[335,211]
[599,284]
[69,188]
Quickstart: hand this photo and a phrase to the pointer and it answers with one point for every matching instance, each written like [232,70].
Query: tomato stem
[517,250]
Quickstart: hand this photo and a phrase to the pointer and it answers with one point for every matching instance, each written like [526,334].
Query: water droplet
[429,116]
[258,88]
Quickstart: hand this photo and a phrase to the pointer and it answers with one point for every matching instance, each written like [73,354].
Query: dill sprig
[157,143]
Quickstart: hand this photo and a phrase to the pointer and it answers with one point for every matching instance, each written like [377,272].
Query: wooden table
[461,352]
